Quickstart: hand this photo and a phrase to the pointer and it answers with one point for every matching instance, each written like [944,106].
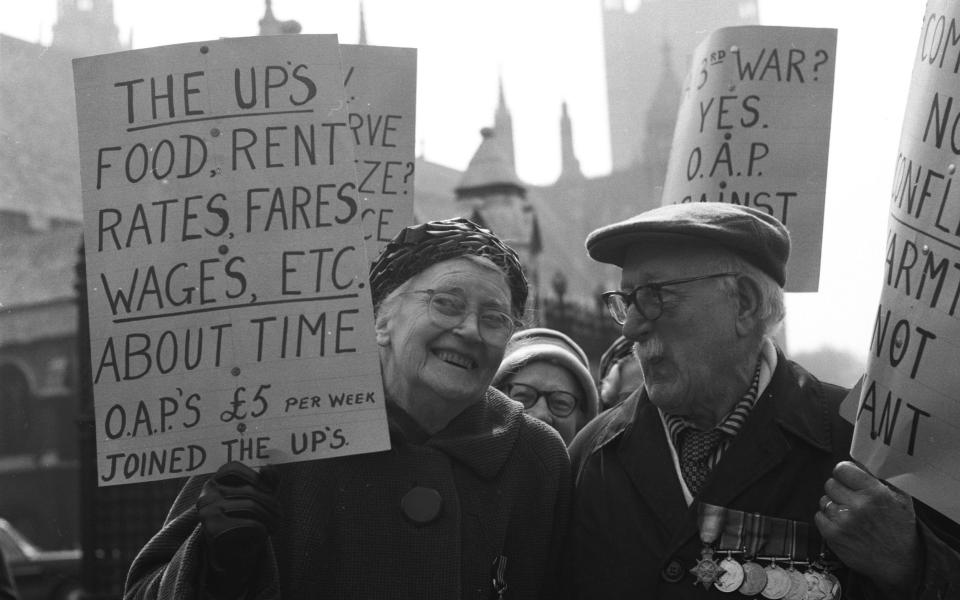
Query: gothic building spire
[363,28]
[503,126]
[85,28]
[569,164]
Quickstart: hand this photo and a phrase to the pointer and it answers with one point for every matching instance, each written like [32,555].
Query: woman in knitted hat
[472,499]
[549,374]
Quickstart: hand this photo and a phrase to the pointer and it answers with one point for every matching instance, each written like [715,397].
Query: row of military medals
[811,581]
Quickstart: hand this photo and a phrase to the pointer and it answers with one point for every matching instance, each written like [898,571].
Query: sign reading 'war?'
[381,95]
[908,420]
[753,128]
[229,308]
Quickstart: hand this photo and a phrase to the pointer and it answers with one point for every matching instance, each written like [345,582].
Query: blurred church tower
[270,25]
[86,27]
[661,119]
[490,194]
[633,40]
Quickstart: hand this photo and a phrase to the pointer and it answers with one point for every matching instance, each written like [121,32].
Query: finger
[246,491]
[854,477]
[250,508]
[236,474]
[215,497]
[827,528]
[843,495]
[219,518]
[209,494]
[831,509]
[241,477]
[825,501]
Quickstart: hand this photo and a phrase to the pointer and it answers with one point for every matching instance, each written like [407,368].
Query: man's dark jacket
[632,532]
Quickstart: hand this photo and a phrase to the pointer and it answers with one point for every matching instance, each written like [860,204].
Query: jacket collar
[794,401]
[811,419]
[810,423]
[481,437]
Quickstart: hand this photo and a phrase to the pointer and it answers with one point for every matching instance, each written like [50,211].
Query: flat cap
[752,234]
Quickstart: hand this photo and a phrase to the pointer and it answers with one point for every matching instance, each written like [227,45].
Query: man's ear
[748,305]
[381,326]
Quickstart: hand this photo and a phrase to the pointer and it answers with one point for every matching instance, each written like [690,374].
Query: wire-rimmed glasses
[449,309]
[647,297]
[559,402]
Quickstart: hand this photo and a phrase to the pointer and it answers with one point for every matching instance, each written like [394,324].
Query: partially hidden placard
[381,87]
[753,128]
[229,308]
[907,427]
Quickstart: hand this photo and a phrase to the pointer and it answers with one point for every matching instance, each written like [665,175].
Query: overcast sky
[548,51]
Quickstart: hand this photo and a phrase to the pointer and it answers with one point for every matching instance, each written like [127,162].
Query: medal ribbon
[734,531]
[758,535]
[711,522]
[792,529]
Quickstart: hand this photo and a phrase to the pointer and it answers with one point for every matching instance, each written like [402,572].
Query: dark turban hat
[418,247]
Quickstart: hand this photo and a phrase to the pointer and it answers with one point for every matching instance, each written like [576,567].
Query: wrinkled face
[548,377]
[424,362]
[690,348]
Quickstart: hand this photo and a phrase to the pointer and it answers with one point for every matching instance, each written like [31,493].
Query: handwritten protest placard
[907,427]
[753,128]
[382,97]
[229,307]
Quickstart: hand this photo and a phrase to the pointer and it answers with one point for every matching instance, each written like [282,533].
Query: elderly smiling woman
[471,500]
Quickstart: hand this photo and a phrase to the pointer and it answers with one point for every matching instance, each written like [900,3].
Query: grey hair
[771,310]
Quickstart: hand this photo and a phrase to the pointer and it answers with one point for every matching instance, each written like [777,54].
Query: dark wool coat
[505,483]
[632,531]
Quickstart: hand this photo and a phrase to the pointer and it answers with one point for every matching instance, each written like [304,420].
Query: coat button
[422,505]
[673,572]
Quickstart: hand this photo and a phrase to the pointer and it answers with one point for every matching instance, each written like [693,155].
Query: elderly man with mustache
[728,470]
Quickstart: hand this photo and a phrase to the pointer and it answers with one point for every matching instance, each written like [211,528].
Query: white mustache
[646,350]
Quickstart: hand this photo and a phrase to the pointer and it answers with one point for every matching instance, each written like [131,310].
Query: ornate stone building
[40,214]
[40,234]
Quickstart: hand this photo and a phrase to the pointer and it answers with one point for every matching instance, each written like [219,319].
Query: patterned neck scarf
[700,451]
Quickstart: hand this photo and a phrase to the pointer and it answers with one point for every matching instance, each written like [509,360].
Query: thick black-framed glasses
[647,297]
[560,403]
[449,309]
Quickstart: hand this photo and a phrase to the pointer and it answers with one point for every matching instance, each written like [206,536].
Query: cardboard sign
[753,128]
[229,307]
[381,87]
[908,420]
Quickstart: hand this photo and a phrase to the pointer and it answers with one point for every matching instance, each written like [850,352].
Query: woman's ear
[748,305]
